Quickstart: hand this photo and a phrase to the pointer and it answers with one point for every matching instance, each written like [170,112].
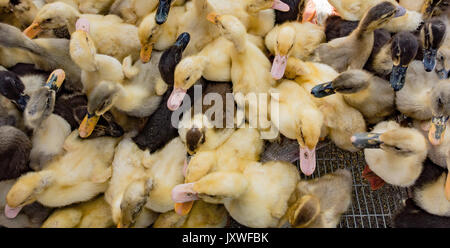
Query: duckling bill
[323,90]
[437,130]
[163,11]
[366,140]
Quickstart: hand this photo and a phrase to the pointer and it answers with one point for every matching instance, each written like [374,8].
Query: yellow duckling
[78,175]
[393,153]
[110,34]
[340,120]
[292,39]
[298,119]
[140,179]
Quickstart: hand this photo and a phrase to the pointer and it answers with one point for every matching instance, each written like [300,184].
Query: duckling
[215,157]
[42,100]
[171,57]
[283,41]
[394,58]
[32,216]
[143,179]
[110,34]
[299,119]
[136,97]
[440,109]
[252,200]
[207,128]
[46,54]
[48,140]
[341,121]
[80,174]
[321,201]
[352,52]
[369,94]
[412,216]
[355,10]
[15,150]
[430,192]
[212,63]
[418,101]
[394,153]
[202,215]
[250,72]
[92,214]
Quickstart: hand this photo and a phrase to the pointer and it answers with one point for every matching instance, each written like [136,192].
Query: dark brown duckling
[15,147]
[433,35]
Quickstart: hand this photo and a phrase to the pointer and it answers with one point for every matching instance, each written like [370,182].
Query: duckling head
[187,73]
[52,16]
[258,5]
[100,101]
[12,87]
[440,107]
[307,138]
[380,14]
[25,191]
[404,48]
[400,141]
[134,199]
[42,101]
[231,28]
[283,48]
[348,82]
[149,32]
[434,32]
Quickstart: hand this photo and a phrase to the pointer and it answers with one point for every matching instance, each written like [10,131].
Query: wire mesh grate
[369,209]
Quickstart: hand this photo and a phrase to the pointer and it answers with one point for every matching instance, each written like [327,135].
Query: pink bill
[184,193]
[279,66]
[176,98]
[307,161]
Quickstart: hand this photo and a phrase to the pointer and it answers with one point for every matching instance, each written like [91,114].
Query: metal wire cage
[369,209]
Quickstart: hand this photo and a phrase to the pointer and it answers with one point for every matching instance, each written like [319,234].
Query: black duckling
[15,147]
[171,57]
[412,216]
[295,9]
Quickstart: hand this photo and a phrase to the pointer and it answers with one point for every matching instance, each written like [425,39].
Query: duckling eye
[397,148]
[48,20]
[187,78]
